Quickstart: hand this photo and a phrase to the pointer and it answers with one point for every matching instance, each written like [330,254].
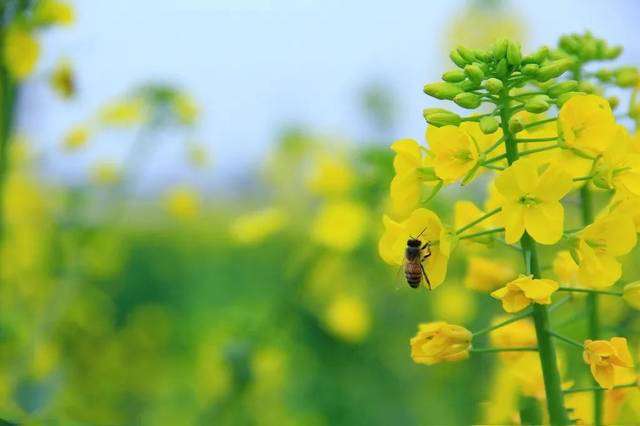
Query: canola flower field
[290,305]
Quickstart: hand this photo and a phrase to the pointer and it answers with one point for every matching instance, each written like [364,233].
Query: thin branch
[514,349]
[478,220]
[566,339]
[590,290]
[515,318]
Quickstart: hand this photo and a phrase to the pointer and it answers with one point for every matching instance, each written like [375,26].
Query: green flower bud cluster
[585,47]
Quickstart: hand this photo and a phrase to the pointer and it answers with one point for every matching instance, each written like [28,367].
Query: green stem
[482,233]
[478,220]
[599,389]
[7,101]
[551,374]
[539,123]
[515,318]
[536,150]
[513,349]
[581,178]
[566,339]
[590,291]
[555,138]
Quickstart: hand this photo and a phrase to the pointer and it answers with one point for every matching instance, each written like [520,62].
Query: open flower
[565,268]
[487,274]
[394,241]
[524,290]
[340,225]
[586,123]
[454,151]
[440,342]
[610,236]
[604,357]
[407,184]
[531,202]
[620,166]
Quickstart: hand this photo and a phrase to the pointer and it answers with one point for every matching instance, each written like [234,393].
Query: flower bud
[428,174]
[565,97]
[489,125]
[530,69]
[516,125]
[614,101]
[441,117]
[454,76]
[514,55]
[631,294]
[502,68]
[500,49]
[474,72]
[467,100]
[469,85]
[570,43]
[457,59]
[493,85]
[554,69]
[601,180]
[603,74]
[467,54]
[536,105]
[626,76]
[560,88]
[442,90]
[538,57]
[613,52]
[440,342]
[587,87]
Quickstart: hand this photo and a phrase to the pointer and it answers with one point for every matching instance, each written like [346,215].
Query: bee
[416,253]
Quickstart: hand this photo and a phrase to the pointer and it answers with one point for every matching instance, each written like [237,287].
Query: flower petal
[544,221]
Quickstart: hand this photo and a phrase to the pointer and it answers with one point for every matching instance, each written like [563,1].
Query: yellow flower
[466,212]
[440,342]
[487,274]
[105,173]
[620,166]
[631,294]
[76,138]
[340,225]
[524,290]
[614,399]
[407,184]
[532,202]
[53,12]
[517,334]
[348,318]
[253,228]
[604,357]
[332,176]
[394,241]
[493,201]
[586,123]
[454,303]
[626,204]
[472,128]
[63,80]
[565,268]
[454,152]
[21,52]
[610,236]
[183,203]
[186,108]
[547,130]
[123,113]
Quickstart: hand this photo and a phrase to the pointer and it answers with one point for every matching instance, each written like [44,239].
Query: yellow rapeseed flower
[523,291]
[620,166]
[586,123]
[183,203]
[76,138]
[62,80]
[394,241]
[331,176]
[21,52]
[53,12]
[348,318]
[566,269]
[517,334]
[487,274]
[631,294]
[531,202]
[628,205]
[123,113]
[454,303]
[466,212]
[454,152]
[408,182]
[187,110]
[255,227]
[604,357]
[340,225]
[440,342]
[610,236]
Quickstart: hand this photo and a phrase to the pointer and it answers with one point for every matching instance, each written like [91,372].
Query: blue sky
[256,66]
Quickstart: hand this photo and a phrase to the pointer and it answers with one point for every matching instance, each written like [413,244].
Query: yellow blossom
[631,294]
[183,203]
[187,110]
[524,290]
[487,274]
[76,138]
[63,80]
[610,236]
[123,113]
[532,202]
[565,268]
[348,318]
[454,152]
[586,123]
[394,241]
[407,184]
[454,303]
[517,334]
[440,342]
[21,52]
[620,166]
[604,357]
[340,225]
[466,212]
[332,176]
[581,405]
[53,12]
[105,173]
[484,141]
[254,227]
[628,205]
[614,399]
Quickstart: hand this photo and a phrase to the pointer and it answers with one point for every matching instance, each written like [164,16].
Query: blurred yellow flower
[487,274]
[331,176]
[340,225]
[187,110]
[255,227]
[348,318]
[581,406]
[454,303]
[524,290]
[565,268]
[268,366]
[393,242]
[198,155]
[105,173]
[517,334]
[21,52]
[614,399]
[440,342]
[76,138]
[628,205]
[610,236]
[53,12]
[466,212]
[407,184]
[586,123]
[62,80]
[631,294]
[183,203]
[620,166]
[532,202]
[454,152]
[604,357]
[123,113]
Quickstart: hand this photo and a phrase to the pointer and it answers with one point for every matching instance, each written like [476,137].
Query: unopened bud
[467,100]
[538,57]
[614,101]
[613,52]
[516,125]
[489,125]
[626,76]
[560,88]
[493,85]
[514,55]
[500,49]
[467,54]
[441,117]
[454,76]
[603,74]
[502,68]
[474,72]
[587,87]
[566,96]
[457,59]
[536,105]
[442,90]
[554,69]
[469,85]
[530,69]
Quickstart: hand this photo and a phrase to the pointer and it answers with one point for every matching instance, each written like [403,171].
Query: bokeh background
[191,238]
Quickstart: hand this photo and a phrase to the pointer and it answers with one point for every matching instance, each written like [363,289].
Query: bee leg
[427,246]
[424,274]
